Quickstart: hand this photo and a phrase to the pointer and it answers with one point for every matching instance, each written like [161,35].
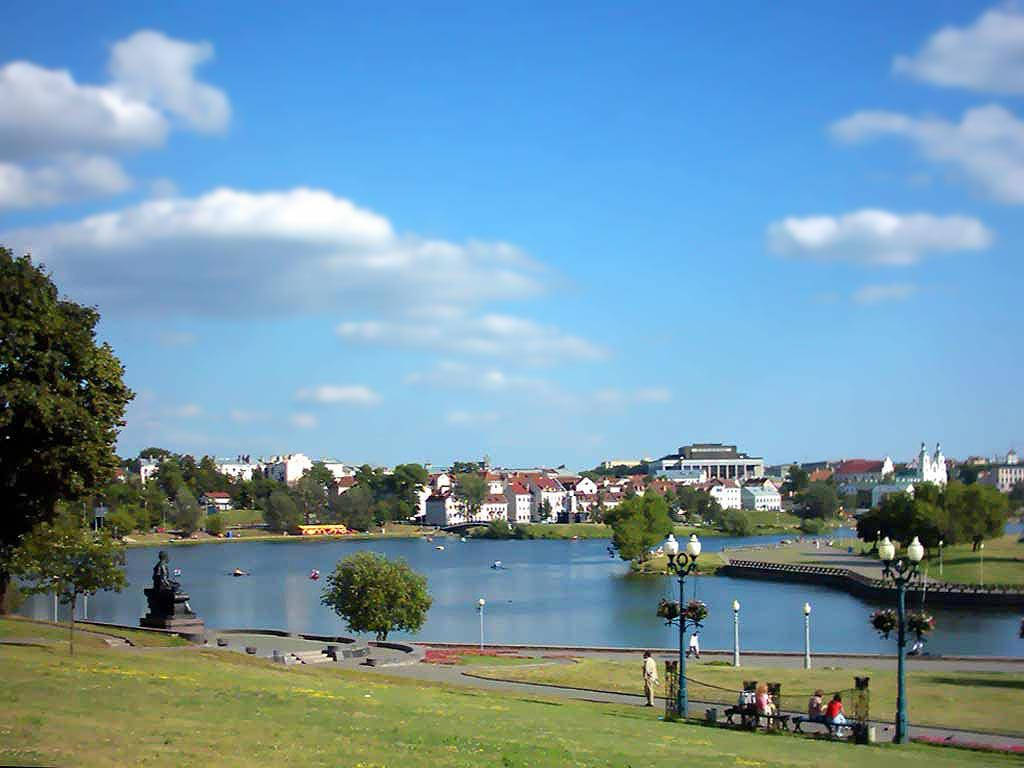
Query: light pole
[941,542]
[981,563]
[901,573]
[682,564]
[735,633]
[807,635]
[480,607]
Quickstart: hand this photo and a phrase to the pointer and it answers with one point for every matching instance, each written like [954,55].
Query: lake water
[558,592]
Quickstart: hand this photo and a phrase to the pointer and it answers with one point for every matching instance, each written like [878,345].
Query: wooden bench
[800,720]
[751,718]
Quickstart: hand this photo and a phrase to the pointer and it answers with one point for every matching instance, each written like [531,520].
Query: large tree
[471,490]
[638,524]
[374,594]
[819,500]
[62,400]
[69,559]
[280,512]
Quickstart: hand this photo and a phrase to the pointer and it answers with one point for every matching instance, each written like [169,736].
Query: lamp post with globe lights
[901,573]
[735,633]
[682,564]
[807,635]
[480,607]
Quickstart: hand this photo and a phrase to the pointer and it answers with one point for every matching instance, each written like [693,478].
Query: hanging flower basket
[668,609]
[696,611]
[920,623]
[884,621]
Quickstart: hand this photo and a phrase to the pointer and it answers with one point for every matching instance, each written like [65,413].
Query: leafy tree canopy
[280,512]
[819,500]
[471,488]
[63,399]
[638,524]
[68,558]
[374,594]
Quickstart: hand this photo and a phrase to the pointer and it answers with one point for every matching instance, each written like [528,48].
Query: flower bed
[450,656]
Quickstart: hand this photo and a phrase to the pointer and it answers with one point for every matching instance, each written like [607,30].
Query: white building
[495,507]
[760,497]
[240,467]
[216,501]
[148,469]
[863,475]
[518,502]
[1005,476]
[725,492]
[716,460]
[443,509]
[546,492]
[288,469]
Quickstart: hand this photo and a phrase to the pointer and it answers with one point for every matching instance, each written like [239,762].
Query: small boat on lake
[238,572]
[314,574]
[439,547]
[496,565]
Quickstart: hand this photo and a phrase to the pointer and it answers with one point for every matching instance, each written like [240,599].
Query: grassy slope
[17,627]
[970,700]
[106,708]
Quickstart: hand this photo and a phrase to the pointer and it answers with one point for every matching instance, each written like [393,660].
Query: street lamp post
[941,542]
[981,563]
[480,607]
[807,635]
[735,633]
[901,573]
[682,564]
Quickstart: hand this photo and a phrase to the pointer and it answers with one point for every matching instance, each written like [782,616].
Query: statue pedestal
[168,610]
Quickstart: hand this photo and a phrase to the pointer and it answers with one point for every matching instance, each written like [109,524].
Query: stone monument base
[167,610]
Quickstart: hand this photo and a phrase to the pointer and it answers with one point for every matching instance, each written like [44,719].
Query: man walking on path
[650,678]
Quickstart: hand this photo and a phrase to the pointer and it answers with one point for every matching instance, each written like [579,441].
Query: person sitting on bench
[834,715]
[815,708]
[765,705]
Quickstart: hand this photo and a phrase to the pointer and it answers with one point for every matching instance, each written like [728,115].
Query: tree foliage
[281,512]
[796,480]
[187,513]
[354,508]
[63,399]
[471,489]
[374,594]
[956,513]
[67,558]
[736,522]
[638,524]
[819,500]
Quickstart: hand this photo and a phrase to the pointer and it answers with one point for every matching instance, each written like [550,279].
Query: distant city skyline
[544,234]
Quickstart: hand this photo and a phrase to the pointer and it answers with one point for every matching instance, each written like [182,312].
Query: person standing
[650,678]
[693,648]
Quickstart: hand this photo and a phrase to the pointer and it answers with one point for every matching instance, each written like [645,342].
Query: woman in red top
[834,714]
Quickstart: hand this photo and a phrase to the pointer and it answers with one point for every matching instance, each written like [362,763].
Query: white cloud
[874,294]
[986,56]
[875,237]
[986,146]
[155,68]
[653,395]
[618,397]
[335,395]
[163,187]
[45,111]
[516,339]
[300,250]
[57,135]
[303,420]
[462,418]
[67,177]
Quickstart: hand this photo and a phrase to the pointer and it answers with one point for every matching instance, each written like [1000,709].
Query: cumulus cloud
[158,69]
[489,335]
[875,294]
[875,237]
[176,339]
[68,177]
[299,250]
[303,420]
[329,394]
[187,411]
[241,416]
[614,396]
[986,146]
[57,135]
[986,56]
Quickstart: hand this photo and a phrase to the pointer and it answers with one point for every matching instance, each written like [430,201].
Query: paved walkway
[466,677]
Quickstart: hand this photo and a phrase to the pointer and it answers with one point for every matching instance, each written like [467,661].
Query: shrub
[215,525]
[812,525]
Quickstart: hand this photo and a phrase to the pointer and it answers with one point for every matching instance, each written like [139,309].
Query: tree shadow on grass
[981,682]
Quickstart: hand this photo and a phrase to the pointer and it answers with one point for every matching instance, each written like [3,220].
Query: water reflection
[559,592]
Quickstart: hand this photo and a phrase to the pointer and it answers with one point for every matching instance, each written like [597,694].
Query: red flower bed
[451,655]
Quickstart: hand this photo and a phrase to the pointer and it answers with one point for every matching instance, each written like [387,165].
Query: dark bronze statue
[168,605]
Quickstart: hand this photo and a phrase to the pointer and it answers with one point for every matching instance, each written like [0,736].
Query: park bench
[746,709]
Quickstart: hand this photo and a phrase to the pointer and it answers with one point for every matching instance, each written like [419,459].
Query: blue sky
[414,232]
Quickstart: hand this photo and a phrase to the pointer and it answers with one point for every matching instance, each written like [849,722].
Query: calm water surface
[559,592]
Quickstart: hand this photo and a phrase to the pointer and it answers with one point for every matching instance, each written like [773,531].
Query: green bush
[812,525]
[736,522]
[214,525]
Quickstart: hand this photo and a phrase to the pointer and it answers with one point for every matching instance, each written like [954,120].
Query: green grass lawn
[969,700]
[17,627]
[567,530]
[110,708]
[1004,562]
